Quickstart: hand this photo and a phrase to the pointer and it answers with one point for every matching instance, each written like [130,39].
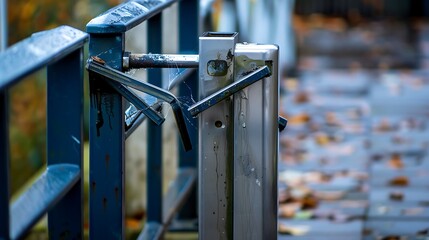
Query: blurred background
[355,88]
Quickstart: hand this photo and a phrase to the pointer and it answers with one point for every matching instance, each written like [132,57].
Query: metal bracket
[119,79]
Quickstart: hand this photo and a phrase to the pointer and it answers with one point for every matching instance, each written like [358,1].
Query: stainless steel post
[255,145]
[215,128]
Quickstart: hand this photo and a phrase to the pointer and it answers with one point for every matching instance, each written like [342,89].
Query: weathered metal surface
[161,61]
[106,142]
[39,50]
[4,165]
[129,81]
[256,145]
[65,140]
[127,15]
[139,102]
[229,90]
[54,183]
[158,92]
[215,152]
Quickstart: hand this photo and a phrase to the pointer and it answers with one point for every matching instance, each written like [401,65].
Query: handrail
[108,130]
[57,179]
[127,15]
[38,51]
[59,191]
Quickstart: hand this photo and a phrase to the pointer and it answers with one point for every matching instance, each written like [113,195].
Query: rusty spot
[117,193]
[98,60]
[107,159]
[104,202]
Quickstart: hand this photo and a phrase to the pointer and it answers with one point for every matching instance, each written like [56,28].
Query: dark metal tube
[160,61]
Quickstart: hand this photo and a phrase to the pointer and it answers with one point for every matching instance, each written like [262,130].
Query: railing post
[216,150]
[65,140]
[154,136]
[4,165]
[106,137]
[188,43]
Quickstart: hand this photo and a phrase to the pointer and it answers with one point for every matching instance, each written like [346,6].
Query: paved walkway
[354,159]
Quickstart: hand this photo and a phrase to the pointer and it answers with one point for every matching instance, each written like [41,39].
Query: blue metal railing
[59,190]
[108,131]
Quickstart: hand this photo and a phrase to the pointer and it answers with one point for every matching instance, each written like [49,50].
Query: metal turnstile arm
[164,95]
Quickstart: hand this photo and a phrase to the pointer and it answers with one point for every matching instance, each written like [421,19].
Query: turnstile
[238,130]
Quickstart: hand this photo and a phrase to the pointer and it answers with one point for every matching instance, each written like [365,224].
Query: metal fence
[110,98]
[115,112]
[59,190]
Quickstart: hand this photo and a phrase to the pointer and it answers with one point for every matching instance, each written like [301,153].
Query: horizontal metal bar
[160,61]
[229,90]
[176,196]
[120,77]
[38,51]
[126,16]
[162,94]
[138,102]
[48,189]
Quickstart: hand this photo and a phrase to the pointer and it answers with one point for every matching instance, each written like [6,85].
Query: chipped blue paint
[107,42]
[126,16]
